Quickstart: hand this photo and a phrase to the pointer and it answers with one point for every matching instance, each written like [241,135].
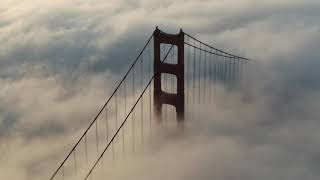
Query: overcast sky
[56,55]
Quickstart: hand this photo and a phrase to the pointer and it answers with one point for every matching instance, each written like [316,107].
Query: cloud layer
[59,61]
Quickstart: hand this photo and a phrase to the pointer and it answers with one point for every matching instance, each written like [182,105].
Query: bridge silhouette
[172,74]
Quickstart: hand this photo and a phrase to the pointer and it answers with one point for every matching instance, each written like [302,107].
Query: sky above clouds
[59,61]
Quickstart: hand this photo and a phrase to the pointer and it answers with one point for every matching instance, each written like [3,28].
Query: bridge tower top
[160,67]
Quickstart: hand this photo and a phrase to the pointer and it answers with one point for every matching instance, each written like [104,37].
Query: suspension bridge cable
[201,49]
[122,124]
[221,51]
[96,117]
[224,76]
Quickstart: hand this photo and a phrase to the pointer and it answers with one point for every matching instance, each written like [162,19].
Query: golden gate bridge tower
[161,97]
[126,121]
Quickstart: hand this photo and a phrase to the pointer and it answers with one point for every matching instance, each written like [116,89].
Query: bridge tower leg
[161,97]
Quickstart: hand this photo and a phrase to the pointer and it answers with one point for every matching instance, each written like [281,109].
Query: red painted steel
[161,97]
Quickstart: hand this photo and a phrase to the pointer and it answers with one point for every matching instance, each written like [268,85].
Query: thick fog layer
[60,60]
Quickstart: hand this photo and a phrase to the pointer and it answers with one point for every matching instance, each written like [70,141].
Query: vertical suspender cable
[113,158]
[188,78]
[133,113]
[116,103]
[241,66]
[188,71]
[205,75]
[125,97]
[75,161]
[141,79]
[86,147]
[62,170]
[234,72]
[218,68]
[226,72]
[149,77]
[194,76]
[214,73]
[97,137]
[245,75]
[107,128]
[125,114]
[223,71]
[199,89]
[229,76]
[210,66]
[116,106]
[102,172]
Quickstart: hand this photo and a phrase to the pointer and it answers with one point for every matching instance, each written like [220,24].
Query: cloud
[60,60]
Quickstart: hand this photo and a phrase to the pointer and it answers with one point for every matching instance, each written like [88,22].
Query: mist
[60,61]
